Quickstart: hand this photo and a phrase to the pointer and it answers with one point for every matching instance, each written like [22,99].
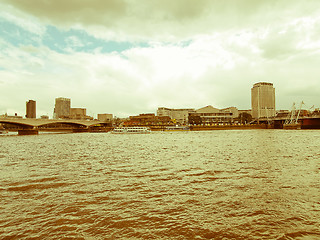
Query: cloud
[73,11]
[181,53]
[164,20]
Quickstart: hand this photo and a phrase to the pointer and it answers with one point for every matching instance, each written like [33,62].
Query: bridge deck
[32,122]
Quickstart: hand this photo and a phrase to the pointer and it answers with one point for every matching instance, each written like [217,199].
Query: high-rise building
[62,108]
[263,102]
[31,109]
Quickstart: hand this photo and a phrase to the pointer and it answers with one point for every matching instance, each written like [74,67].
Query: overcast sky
[128,57]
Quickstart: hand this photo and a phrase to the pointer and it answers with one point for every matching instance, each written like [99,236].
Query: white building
[263,100]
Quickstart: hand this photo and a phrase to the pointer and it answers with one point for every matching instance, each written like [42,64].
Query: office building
[263,100]
[31,109]
[62,108]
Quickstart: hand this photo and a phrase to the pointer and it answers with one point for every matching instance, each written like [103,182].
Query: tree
[244,118]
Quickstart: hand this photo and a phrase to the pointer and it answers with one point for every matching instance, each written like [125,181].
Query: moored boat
[311,123]
[131,130]
[177,128]
[292,126]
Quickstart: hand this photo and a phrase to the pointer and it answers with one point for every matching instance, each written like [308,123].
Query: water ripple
[199,185]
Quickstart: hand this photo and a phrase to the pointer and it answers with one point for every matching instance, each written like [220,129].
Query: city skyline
[131,57]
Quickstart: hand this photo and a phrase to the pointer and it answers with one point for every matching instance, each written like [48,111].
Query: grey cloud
[73,11]
[170,18]
[175,10]
[280,46]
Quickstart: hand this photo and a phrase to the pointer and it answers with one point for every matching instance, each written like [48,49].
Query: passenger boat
[177,128]
[131,130]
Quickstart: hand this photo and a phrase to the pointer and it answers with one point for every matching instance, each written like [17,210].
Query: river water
[225,184]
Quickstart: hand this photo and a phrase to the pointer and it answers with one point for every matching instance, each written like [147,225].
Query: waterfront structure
[105,117]
[62,108]
[211,115]
[263,100]
[179,116]
[31,109]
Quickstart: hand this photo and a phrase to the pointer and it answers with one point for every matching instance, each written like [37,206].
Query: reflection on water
[253,184]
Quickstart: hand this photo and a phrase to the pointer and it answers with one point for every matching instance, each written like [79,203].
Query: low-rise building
[179,116]
[79,113]
[105,117]
[211,115]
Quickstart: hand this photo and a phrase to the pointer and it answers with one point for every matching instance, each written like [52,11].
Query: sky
[128,57]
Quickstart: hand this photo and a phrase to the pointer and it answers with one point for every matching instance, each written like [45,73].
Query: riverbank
[229,127]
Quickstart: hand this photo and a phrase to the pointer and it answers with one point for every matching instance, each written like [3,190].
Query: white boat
[131,130]
[177,128]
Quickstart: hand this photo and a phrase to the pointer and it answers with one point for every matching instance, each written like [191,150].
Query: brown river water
[225,184]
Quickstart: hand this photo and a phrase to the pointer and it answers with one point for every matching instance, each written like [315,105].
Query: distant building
[15,116]
[105,117]
[62,108]
[78,113]
[233,110]
[211,115]
[263,100]
[31,109]
[177,115]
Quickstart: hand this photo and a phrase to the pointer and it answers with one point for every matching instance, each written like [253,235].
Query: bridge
[33,125]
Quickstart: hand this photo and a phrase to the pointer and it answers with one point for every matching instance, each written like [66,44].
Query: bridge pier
[28,132]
